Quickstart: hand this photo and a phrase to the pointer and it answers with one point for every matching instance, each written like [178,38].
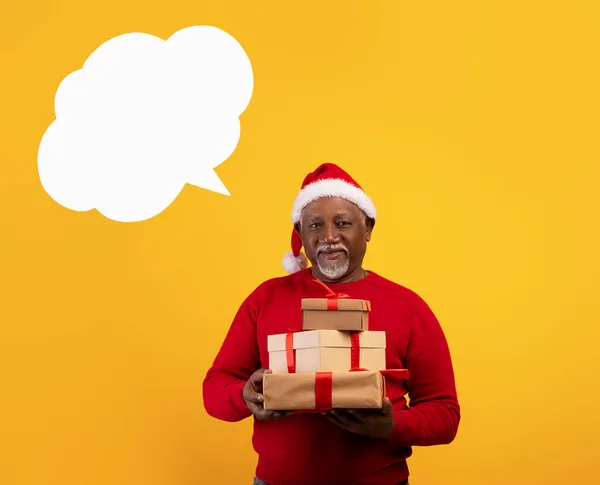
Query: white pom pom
[293,264]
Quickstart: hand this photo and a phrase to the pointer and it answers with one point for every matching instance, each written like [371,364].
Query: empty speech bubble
[143,117]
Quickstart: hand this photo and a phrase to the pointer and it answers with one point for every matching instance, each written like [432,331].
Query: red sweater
[307,449]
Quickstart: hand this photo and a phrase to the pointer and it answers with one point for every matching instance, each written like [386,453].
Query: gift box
[322,391]
[326,350]
[335,314]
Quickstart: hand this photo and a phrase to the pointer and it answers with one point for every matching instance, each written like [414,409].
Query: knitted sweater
[307,449]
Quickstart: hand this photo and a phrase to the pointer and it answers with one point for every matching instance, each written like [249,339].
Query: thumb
[387,406]
[257,377]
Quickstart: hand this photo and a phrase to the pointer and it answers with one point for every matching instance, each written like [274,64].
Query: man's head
[334,234]
[333,219]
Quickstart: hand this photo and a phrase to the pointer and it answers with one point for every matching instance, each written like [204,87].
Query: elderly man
[333,220]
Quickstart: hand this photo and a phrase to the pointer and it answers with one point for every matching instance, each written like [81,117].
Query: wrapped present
[336,311]
[326,350]
[322,391]
[335,314]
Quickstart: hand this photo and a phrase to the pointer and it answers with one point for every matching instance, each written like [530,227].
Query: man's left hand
[377,423]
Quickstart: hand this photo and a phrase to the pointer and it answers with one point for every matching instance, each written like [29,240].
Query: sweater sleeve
[237,359]
[433,414]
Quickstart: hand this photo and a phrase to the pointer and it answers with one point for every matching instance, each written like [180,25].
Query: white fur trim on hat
[293,264]
[332,188]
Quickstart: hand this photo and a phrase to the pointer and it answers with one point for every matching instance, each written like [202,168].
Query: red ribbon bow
[332,296]
[331,293]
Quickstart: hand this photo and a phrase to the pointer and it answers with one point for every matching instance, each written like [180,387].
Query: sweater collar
[344,287]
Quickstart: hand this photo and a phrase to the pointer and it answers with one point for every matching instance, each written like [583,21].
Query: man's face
[334,233]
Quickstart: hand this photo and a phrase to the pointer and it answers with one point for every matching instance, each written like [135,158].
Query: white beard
[334,269]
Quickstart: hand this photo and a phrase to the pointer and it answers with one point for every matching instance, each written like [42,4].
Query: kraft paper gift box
[322,391]
[326,350]
[335,314]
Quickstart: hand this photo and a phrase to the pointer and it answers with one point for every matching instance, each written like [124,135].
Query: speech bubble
[143,117]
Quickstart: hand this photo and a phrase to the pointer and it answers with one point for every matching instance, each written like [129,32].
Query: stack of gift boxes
[334,361]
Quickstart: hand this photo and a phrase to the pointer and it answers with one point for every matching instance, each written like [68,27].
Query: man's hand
[366,422]
[252,394]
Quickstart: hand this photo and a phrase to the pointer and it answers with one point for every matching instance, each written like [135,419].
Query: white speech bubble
[142,118]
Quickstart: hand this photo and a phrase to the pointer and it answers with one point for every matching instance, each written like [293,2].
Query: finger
[265,415]
[387,406]
[280,414]
[257,377]
[334,419]
[347,416]
[254,408]
[364,415]
[339,420]
[255,397]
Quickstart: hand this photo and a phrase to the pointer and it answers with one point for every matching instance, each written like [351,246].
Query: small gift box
[336,311]
[335,314]
[326,350]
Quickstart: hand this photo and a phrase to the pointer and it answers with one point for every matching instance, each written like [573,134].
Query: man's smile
[331,254]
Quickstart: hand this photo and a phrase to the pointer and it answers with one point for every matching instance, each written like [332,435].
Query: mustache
[331,247]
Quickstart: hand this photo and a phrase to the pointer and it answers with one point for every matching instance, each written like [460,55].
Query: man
[333,220]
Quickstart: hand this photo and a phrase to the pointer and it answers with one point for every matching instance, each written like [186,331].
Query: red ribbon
[323,391]
[290,353]
[324,388]
[399,373]
[354,350]
[332,296]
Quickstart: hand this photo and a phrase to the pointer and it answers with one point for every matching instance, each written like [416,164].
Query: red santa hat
[328,180]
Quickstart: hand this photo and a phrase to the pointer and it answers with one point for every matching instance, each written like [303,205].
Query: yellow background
[473,125]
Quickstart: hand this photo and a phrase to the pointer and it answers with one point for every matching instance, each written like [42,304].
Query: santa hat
[328,180]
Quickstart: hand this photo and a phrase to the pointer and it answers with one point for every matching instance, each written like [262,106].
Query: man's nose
[330,233]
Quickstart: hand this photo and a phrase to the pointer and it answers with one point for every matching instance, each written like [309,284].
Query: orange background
[473,125]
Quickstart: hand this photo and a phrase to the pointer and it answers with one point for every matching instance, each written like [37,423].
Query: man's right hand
[252,394]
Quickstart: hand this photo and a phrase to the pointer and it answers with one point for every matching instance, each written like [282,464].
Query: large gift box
[335,314]
[321,391]
[326,350]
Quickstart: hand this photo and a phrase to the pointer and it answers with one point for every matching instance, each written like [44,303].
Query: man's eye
[343,223]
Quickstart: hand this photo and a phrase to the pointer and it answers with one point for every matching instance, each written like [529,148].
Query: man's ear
[370,227]
[297,228]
